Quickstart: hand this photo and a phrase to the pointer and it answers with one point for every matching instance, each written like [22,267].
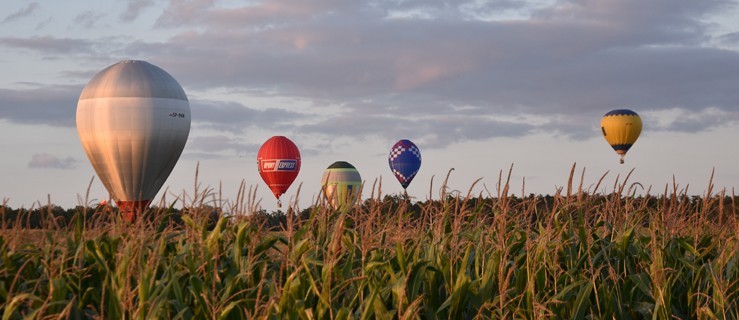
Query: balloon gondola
[133,120]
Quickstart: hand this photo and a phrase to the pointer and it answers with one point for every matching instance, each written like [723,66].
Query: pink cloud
[45,160]
[412,72]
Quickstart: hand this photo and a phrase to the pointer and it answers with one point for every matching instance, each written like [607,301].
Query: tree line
[54,216]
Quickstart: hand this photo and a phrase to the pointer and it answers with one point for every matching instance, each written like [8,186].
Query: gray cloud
[51,105]
[270,12]
[561,61]
[439,133]
[201,156]
[24,12]
[219,144]
[236,118]
[432,131]
[730,38]
[45,160]
[48,45]
[134,9]
[88,19]
[43,24]
[696,121]
[57,106]
[441,71]
[95,53]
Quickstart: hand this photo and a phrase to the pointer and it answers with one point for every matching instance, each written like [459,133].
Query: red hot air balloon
[278,162]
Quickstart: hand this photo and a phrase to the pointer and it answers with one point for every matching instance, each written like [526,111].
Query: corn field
[577,254]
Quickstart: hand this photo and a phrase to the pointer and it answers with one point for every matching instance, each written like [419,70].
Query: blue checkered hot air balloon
[404,160]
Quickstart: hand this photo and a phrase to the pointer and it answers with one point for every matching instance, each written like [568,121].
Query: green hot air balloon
[341,185]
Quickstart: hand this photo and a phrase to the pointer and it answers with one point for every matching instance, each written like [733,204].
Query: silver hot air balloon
[133,119]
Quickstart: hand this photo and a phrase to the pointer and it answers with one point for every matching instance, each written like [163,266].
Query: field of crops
[573,255]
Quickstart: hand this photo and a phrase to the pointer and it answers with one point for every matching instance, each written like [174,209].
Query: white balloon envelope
[133,119]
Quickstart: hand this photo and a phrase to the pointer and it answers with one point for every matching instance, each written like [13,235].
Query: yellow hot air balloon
[341,185]
[621,128]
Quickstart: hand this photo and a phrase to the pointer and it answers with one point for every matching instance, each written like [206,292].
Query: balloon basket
[131,210]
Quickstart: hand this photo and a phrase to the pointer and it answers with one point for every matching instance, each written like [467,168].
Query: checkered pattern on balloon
[405,161]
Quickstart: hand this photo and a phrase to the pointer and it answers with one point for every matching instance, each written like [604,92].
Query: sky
[479,86]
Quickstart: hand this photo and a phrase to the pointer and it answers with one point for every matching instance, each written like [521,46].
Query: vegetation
[574,255]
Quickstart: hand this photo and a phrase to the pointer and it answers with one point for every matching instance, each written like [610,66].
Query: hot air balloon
[404,160]
[133,120]
[278,162]
[341,184]
[621,128]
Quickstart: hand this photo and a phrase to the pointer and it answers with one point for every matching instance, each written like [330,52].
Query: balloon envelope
[404,160]
[341,184]
[621,128]
[133,120]
[278,162]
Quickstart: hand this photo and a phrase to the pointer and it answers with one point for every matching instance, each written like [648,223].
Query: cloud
[681,120]
[88,19]
[48,45]
[57,106]
[234,117]
[446,72]
[134,9]
[731,38]
[24,12]
[219,145]
[573,57]
[432,131]
[43,24]
[45,160]
[76,54]
[207,13]
[48,105]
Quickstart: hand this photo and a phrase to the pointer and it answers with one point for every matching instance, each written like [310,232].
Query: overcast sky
[477,85]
